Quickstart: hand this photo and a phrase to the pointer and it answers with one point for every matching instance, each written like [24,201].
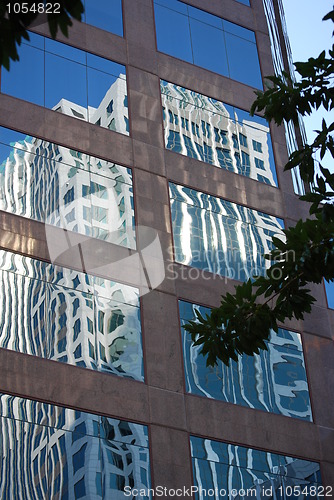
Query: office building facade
[135,189]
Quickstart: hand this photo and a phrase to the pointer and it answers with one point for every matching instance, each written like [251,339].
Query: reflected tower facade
[141,119]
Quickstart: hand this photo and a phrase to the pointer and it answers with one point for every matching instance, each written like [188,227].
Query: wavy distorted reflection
[214,132]
[219,236]
[250,473]
[53,452]
[68,316]
[66,188]
[274,380]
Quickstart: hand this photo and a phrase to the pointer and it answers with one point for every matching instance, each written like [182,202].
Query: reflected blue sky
[229,467]
[330,293]
[105,14]
[196,36]
[69,81]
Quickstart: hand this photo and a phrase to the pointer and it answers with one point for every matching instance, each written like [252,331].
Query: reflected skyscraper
[141,119]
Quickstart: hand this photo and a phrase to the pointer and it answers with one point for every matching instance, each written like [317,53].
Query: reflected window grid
[211,131]
[63,187]
[260,474]
[70,317]
[95,82]
[274,380]
[219,236]
[54,452]
[195,36]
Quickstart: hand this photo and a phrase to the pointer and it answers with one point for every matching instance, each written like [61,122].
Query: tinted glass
[229,468]
[70,454]
[173,33]
[208,47]
[105,14]
[209,130]
[70,81]
[66,188]
[71,317]
[29,68]
[243,61]
[211,42]
[273,381]
[218,236]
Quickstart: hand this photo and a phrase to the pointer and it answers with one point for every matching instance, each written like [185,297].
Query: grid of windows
[214,132]
[55,452]
[208,41]
[68,316]
[94,82]
[219,236]
[240,472]
[274,380]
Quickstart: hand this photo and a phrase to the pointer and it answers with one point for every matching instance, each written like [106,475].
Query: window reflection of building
[250,473]
[68,316]
[67,188]
[216,235]
[273,381]
[54,452]
[211,131]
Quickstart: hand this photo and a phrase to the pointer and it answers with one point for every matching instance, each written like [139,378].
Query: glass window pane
[30,68]
[176,5]
[218,236]
[239,31]
[229,468]
[24,329]
[173,34]
[273,381]
[218,134]
[205,17]
[105,14]
[65,80]
[209,47]
[119,347]
[243,61]
[65,51]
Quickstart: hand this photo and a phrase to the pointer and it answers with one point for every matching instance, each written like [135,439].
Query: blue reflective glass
[330,293]
[228,468]
[239,31]
[212,43]
[66,316]
[65,51]
[208,47]
[173,33]
[72,82]
[174,5]
[105,14]
[72,454]
[243,61]
[218,236]
[273,381]
[211,131]
[205,17]
[64,80]
[66,188]
[35,40]
[25,79]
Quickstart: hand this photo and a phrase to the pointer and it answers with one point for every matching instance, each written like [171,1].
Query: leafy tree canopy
[15,22]
[243,321]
